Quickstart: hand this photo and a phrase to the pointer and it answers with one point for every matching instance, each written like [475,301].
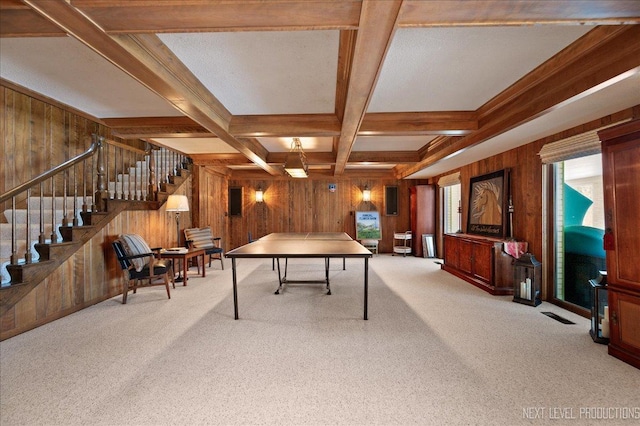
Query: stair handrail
[96,189]
[95,145]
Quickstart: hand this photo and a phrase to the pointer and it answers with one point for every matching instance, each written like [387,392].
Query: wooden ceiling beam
[152,16]
[419,13]
[377,26]
[285,125]
[302,125]
[313,158]
[156,127]
[346,46]
[387,157]
[419,123]
[218,159]
[18,20]
[145,58]
[358,157]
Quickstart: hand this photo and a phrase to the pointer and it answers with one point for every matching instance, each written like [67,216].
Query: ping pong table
[285,245]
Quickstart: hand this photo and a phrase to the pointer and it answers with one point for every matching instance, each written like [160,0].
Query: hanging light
[366,194]
[296,163]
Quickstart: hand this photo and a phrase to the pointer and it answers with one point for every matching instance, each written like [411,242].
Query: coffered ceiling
[407,88]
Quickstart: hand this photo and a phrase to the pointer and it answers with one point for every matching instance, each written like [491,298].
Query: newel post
[151,188]
[101,190]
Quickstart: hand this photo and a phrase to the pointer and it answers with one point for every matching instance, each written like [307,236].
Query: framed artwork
[235,201]
[488,208]
[391,200]
[368,226]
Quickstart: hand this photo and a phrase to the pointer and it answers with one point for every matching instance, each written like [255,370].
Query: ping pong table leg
[326,274]
[366,286]
[280,276]
[235,287]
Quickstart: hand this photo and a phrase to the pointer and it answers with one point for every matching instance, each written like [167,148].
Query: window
[450,209]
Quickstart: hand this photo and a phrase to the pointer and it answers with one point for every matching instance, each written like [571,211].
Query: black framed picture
[235,201]
[488,207]
[391,200]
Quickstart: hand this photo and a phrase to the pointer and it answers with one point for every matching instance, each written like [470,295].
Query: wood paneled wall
[37,136]
[526,184]
[526,191]
[92,274]
[297,205]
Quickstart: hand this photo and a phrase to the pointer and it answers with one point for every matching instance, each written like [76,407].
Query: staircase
[38,232]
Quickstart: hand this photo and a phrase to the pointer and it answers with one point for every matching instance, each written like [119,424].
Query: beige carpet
[435,350]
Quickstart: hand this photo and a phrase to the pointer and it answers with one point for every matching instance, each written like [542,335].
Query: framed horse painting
[488,207]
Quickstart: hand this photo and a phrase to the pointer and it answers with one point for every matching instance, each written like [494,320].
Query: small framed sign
[368,226]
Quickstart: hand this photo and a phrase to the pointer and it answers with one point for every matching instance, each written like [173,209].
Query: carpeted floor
[435,350]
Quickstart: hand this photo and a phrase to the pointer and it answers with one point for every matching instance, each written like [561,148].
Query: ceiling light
[296,163]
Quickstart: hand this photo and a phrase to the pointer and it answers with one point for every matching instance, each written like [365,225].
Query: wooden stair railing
[107,178]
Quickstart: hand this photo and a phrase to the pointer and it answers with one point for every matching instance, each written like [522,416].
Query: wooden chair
[202,238]
[139,263]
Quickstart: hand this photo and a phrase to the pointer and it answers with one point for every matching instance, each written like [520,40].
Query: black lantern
[527,280]
[599,309]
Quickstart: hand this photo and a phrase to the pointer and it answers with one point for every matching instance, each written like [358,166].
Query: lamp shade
[259,195]
[177,203]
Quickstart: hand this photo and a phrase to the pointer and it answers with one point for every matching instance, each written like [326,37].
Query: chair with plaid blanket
[202,238]
[139,264]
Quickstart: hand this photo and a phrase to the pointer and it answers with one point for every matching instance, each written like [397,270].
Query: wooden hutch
[621,176]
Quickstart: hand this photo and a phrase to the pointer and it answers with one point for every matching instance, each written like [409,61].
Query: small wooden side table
[185,255]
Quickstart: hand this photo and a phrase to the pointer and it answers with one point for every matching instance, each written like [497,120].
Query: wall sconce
[366,194]
[259,195]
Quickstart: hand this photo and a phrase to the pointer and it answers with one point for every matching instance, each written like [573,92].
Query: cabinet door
[465,256]
[451,251]
[625,325]
[483,261]
[621,177]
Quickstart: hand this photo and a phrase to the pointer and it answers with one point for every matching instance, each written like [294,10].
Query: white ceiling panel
[65,70]
[428,69]
[279,72]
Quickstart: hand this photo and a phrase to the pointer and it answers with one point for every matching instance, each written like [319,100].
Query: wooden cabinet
[621,177]
[423,214]
[479,261]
